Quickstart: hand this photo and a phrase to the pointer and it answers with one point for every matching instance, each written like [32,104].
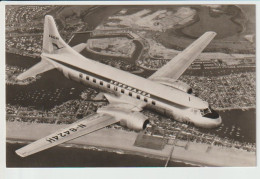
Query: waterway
[222,22]
[237,125]
[50,90]
[83,38]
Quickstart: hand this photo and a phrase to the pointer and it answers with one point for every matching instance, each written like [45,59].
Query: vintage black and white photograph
[130,85]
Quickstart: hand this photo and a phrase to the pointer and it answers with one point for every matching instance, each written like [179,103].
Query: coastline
[236,108]
[122,142]
[107,149]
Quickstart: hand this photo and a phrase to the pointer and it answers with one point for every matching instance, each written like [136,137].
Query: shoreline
[108,149]
[120,141]
[235,108]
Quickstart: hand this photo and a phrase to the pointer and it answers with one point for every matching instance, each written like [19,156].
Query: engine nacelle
[174,84]
[135,121]
[132,120]
[182,86]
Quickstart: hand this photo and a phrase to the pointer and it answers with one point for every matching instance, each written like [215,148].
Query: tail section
[52,44]
[52,40]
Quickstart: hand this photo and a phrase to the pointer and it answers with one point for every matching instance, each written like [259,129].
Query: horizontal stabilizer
[75,130]
[40,67]
[78,48]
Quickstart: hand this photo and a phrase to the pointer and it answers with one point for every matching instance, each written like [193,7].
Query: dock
[172,149]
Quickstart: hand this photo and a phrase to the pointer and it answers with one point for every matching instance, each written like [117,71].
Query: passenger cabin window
[122,91]
[130,93]
[80,75]
[87,77]
[108,85]
[101,83]
[94,80]
[145,100]
[138,96]
[153,102]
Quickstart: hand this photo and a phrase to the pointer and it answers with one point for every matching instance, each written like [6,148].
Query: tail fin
[52,40]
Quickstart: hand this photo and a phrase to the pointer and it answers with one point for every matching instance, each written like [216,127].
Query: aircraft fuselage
[158,103]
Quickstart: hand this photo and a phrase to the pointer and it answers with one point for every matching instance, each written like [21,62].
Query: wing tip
[20,153]
[211,32]
[20,77]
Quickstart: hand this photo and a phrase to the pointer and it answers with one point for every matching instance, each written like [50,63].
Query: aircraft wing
[105,116]
[174,68]
[75,130]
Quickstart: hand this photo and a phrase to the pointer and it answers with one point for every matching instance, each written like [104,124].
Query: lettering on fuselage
[53,37]
[107,80]
[130,88]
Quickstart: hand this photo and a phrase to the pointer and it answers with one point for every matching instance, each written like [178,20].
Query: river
[223,22]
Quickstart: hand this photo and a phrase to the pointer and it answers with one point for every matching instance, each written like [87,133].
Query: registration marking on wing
[66,133]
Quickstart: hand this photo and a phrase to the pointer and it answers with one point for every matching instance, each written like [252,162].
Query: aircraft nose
[215,122]
[218,121]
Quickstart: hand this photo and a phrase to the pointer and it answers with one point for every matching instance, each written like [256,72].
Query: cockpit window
[205,111]
[209,113]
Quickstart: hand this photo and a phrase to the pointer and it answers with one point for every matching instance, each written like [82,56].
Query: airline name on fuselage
[130,88]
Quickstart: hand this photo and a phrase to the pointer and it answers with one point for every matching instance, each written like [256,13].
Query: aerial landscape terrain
[139,40]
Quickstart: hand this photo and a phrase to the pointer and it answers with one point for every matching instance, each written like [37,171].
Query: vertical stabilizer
[52,40]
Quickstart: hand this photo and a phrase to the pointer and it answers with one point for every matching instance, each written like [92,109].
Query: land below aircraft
[127,94]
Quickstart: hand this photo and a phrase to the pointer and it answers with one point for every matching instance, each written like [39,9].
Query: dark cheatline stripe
[82,71]
[109,80]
